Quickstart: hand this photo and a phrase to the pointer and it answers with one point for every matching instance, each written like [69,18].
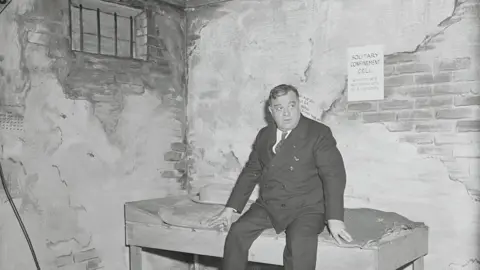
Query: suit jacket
[306,176]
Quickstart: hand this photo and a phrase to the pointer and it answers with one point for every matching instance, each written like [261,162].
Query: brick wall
[437,111]
[180,157]
[90,22]
[105,82]
[83,260]
[433,102]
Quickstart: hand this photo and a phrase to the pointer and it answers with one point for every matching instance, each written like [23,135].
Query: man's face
[285,111]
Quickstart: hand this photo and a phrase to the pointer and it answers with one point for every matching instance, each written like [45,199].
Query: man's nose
[286,112]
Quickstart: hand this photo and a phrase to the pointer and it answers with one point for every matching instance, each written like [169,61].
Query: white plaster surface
[74,177]
[247,47]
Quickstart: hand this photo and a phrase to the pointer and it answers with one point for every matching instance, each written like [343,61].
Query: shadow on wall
[267,116]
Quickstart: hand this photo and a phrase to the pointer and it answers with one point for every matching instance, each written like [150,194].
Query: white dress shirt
[279,137]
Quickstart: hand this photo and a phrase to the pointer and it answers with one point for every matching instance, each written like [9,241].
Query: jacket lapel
[297,135]
[267,144]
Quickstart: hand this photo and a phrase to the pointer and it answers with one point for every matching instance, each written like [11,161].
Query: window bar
[131,36]
[150,32]
[99,37]
[81,27]
[70,23]
[116,33]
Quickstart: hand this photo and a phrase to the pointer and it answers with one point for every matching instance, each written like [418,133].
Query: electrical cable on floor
[10,200]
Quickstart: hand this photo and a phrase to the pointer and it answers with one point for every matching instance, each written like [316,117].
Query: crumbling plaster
[84,149]
[239,50]
[67,162]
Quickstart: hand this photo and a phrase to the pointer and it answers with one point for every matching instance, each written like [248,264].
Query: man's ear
[270,110]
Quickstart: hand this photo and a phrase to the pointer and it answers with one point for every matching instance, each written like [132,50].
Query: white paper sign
[365,73]
[309,108]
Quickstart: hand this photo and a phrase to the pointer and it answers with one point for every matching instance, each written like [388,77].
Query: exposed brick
[63,260]
[456,138]
[413,91]
[434,127]
[378,117]
[132,89]
[429,78]
[94,78]
[467,100]
[412,68]
[169,174]
[456,170]
[94,264]
[181,166]
[77,266]
[433,102]
[172,156]
[85,255]
[162,68]
[154,51]
[400,58]
[468,126]
[457,113]
[415,115]
[399,80]
[160,72]
[389,92]
[434,150]
[129,79]
[388,70]
[178,146]
[418,138]
[352,116]
[469,151]
[474,167]
[396,104]
[400,126]
[455,64]
[456,88]
[473,187]
[38,38]
[362,107]
[44,26]
[465,76]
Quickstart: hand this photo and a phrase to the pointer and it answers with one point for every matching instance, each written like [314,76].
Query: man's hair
[281,90]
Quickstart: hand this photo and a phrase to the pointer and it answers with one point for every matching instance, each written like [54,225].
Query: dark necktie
[279,145]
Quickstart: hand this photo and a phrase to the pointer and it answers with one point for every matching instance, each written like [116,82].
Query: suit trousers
[300,252]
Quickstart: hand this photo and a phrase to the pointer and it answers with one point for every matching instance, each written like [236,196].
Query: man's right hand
[223,220]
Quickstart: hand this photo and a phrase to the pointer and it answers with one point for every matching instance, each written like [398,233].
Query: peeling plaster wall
[410,153]
[94,132]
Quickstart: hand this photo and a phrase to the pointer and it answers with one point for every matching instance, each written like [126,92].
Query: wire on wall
[17,215]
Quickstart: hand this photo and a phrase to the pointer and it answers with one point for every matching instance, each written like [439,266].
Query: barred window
[108,29]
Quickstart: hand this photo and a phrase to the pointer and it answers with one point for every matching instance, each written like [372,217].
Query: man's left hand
[338,231]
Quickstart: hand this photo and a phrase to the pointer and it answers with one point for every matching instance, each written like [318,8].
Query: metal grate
[109,33]
[11,122]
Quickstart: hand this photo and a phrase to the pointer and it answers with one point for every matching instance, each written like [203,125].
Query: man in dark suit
[302,179]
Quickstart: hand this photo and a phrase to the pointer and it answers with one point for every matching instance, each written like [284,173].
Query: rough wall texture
[81,134]
[415,153]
